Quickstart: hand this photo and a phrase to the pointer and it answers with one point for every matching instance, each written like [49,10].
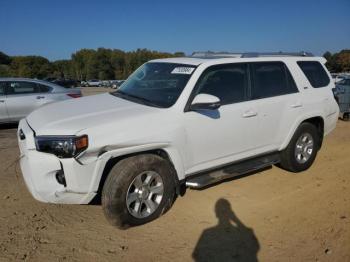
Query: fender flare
[297,123]
[101,163]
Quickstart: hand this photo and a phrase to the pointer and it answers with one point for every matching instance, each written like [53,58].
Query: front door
[216,137]
[278,101]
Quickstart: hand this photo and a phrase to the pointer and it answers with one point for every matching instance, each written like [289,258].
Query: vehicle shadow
[229,240]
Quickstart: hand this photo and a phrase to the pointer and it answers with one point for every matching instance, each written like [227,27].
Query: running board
[247,166]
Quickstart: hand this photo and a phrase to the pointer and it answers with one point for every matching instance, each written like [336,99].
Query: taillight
[74,95]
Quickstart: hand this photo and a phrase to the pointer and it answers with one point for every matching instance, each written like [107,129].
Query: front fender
[102,160]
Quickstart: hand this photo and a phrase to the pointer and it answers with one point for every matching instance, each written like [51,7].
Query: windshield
[156,84]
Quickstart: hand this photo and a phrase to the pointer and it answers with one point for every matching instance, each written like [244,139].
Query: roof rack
[211,54]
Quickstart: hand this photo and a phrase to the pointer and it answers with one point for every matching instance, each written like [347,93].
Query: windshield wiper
[140,99]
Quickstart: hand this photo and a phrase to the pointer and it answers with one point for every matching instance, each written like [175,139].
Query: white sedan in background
[21,96]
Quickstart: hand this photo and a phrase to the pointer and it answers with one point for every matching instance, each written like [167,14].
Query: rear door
[3,110]
[319,87]
[22,98]
[277,100]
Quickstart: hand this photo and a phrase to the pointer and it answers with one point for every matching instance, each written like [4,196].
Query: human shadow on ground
[229,240]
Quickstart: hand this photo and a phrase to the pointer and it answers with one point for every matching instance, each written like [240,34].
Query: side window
[15,88]
[43,88]
[227,82]
[315,73]
[271,79]
[2,88]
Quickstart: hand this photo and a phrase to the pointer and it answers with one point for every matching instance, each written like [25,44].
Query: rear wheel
[302,149]
[138,190]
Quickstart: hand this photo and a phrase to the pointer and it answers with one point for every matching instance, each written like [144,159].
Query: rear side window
[315,73]
[271,79]
[43,88]
[227,82]
[15,88]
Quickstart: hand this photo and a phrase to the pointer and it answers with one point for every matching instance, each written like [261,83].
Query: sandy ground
[269,216]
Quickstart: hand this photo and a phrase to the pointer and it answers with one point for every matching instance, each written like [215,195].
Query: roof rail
[210,54]
[256,54]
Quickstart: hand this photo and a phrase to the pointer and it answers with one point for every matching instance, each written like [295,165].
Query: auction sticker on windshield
[183,70]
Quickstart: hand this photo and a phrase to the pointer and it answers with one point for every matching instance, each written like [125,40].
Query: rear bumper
[39,171]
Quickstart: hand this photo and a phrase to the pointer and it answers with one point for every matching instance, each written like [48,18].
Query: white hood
[71,116]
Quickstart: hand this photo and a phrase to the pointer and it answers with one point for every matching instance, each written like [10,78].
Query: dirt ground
[269,216]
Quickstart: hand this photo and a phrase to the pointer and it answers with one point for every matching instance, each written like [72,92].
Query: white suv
[177,123]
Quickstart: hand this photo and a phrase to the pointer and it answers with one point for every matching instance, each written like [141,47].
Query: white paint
[194,141]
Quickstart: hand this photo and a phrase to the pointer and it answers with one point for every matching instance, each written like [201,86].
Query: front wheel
[302,149]
[138,190]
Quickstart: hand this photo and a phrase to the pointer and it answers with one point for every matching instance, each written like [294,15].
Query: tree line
[338,62]
[106,63]
[84,64]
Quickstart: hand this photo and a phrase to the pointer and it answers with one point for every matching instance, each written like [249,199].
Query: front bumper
[39,172]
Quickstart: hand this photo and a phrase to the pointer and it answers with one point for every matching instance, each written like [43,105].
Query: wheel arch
[166,154]
[316,120]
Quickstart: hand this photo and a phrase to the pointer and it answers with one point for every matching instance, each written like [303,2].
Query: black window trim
[249,84]
[49,87]
[323,68]
[286,71]
[195,88]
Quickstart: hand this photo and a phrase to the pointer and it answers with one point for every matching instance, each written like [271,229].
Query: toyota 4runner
[177,123]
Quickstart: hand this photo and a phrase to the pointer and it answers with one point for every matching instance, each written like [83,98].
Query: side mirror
[205,101]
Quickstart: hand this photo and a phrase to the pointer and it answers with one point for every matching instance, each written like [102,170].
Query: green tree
[63,69]
[84,64]
[30,66]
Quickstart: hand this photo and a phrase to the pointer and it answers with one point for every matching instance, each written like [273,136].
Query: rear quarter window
[43,88]
[315,73]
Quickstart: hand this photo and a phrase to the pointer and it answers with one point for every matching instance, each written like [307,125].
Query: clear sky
[57,28]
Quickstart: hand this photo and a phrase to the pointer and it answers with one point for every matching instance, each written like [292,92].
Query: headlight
[62,146]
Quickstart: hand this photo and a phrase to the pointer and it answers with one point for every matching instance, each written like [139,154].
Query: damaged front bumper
[51,179]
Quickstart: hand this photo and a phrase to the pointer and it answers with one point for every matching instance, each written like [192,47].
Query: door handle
[297,105]
[249,113]
[40,97]
[2,101]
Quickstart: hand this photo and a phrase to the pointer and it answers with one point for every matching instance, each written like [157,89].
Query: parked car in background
[117,83]
[83,83]
[172,122]
[94,82]
[342,96]
[50,79]
[68,83]
[106,83]
[20,96]
[338,77]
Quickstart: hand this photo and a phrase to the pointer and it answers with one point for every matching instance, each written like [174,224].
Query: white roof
[198,60]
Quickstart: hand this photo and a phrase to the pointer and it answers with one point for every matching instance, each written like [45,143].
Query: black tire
[288,156]
[118,184]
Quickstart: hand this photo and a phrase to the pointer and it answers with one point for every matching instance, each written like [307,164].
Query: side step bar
[212,177]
